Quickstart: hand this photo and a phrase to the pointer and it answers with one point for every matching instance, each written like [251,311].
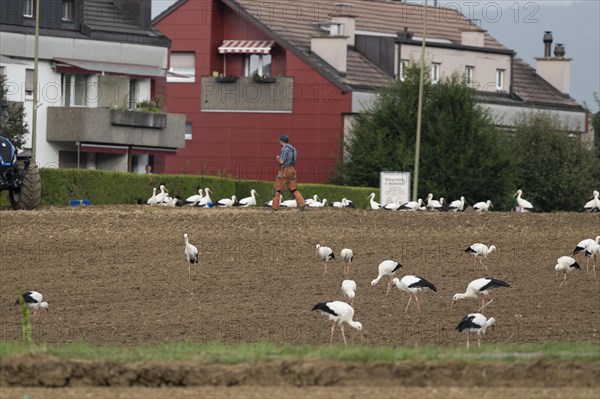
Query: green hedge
[104,187]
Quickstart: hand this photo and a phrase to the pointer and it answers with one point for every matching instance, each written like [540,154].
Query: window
[133,93]
[182,63]
[68,10]
[435,72]
[469,74]
[402,71]
[29,83]
[2,71]
[499,79]
[74,90]
[28,8]
[258,64]
[188,130]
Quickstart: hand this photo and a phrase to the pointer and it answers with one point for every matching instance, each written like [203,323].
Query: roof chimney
[332,49]
[555,70]
[348,27]
[547,43]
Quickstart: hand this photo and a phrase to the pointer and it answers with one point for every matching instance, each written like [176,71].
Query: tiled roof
[292,23]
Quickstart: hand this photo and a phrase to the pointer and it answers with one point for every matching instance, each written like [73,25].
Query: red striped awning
[246,46]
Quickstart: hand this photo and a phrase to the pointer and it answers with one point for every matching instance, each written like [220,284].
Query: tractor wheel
[29,195]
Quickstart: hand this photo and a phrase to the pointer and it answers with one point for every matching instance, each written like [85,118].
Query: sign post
[394,186]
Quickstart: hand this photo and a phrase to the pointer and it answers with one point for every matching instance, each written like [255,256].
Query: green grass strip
[263,352]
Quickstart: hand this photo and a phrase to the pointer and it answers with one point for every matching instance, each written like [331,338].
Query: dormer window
[435,72]
[28,8]
[469,70]
[499,79]
[68,10]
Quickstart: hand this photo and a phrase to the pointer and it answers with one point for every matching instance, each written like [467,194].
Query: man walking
[287,173]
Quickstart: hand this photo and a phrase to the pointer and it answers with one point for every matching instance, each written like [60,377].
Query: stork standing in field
[349,289]
[413,285]
[248,201]
[326,254]
[593,205]
[347,256]
[339,312]
[592,252]
[34,300]
[191,254]
[480,287]
[373,204]
[152,200]
[457,205]
[583,244]
[523,203]
[480,251]
[483,206]
[386,268]
[475,322]
[565,264]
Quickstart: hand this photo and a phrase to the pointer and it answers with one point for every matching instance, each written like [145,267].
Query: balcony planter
[264,79]
[138,119]
[226,79]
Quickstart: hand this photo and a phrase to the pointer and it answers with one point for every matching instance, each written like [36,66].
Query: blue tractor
[19,176]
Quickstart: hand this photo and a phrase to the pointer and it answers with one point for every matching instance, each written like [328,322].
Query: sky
[520,25]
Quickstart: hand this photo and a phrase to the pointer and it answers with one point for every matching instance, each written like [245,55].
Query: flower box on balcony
[264,79]
[226,79]
[139,119]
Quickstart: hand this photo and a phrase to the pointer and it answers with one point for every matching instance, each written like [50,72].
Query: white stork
[475,322]
[227,202]
[392,206]
[483,206]
[374,204]
[480,251]
[565,264]
[480,287]
[413,285]
[34,300]
[194,199]
[206,200]
[152,200]
[435,205]
[592,251]
[457,205]
[315,198]
[326,254]
[583,244]
[339,312]
[347,256]
[349,289]
[386,268]
[162,196]
[249,201]
[413,206]
[317,204]
[523,203]
[593,205]
[191,254]
[289,203]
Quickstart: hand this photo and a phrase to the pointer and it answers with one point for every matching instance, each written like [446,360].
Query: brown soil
[117,275]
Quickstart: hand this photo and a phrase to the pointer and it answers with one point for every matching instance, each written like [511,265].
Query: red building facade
[234,126]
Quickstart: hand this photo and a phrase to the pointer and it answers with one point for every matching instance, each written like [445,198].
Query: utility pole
[415,188]
[36,48]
